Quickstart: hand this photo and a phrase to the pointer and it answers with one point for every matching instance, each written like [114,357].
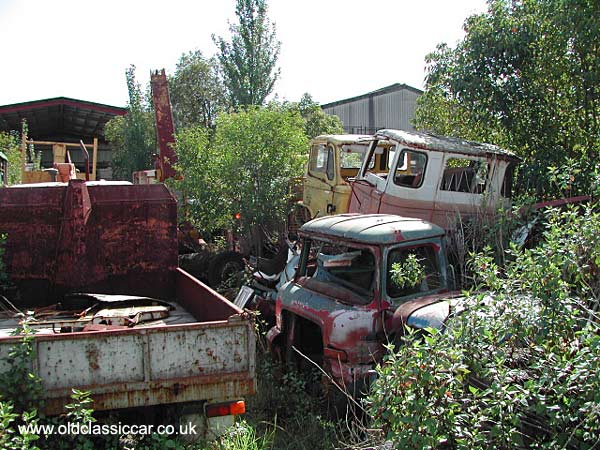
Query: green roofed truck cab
[360,280]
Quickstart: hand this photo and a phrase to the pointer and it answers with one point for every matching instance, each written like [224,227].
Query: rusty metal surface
[165,128]
[428,141]
[125,368]
[350,324]
[121,239]
[94,237]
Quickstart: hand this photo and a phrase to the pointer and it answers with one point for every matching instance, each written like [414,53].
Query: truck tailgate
[213,358]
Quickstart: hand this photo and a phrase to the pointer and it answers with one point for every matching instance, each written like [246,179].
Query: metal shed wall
[395,110]
[390,107]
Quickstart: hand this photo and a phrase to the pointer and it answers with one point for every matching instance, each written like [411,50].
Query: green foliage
[248,62]
[19,384]
[11,147]
[245,170]
[316,122]
[290,410]
[518,368]
[524,77]
[197,92]
[163,441]
[201,182]
[260,150]
[408,273]
[10,438]
[242,436]
[132,137]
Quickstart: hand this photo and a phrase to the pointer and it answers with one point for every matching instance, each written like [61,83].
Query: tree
[316,122]
[526,76]
[10,146]
[132,137]
[201,182]
[197,92]
[245,172]
[248,62]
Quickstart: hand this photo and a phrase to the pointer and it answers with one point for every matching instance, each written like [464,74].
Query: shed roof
[384,90]
[372,228]
[428,141]
[60,116]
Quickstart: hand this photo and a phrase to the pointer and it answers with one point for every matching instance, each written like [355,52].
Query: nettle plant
[519,366]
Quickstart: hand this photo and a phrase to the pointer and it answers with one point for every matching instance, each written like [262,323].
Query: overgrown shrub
[10,146]
[519,367]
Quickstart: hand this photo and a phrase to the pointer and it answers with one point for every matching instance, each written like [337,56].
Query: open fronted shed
[63,119]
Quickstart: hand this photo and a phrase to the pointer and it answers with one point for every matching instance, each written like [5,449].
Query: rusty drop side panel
[106,238]
[211,359]
[117,238]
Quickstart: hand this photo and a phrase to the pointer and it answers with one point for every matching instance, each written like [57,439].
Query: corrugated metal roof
[372,228]
[428,141]
[384,90]
[60,116]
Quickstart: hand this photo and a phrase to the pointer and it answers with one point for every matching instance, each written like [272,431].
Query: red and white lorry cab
[436,178]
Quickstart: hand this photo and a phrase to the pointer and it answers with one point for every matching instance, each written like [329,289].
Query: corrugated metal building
[389,107]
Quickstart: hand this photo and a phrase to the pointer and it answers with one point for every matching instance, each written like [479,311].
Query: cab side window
[410,170]
[465,175]
[322,160]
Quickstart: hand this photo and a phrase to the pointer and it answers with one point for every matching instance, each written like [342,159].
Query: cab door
[369,185]
[320,180]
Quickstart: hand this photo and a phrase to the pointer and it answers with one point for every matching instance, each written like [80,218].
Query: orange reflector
[226,409]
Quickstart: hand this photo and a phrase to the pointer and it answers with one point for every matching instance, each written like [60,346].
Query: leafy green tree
[201,182]
[132,137]
[249,61]
[526,76]
[197,92]
[10,146]
[244,172]
[316,122]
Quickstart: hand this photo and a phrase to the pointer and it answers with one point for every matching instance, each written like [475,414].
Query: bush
[519,367]
[10,146]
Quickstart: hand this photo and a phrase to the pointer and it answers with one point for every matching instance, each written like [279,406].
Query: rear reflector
[226,409]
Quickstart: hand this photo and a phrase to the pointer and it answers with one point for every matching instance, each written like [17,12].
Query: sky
[332,49]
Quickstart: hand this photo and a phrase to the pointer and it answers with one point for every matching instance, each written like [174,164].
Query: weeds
[519,367]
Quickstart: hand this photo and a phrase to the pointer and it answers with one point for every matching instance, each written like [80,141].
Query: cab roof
[371,228]
[343,138]
[428,141]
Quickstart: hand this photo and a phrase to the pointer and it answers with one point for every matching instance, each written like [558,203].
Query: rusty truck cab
[343,304]
[435,178]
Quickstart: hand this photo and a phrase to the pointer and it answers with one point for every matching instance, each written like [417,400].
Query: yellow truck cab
[333,160]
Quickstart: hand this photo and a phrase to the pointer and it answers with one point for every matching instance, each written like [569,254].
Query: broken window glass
[465,175]
[352,268]
[429,278]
